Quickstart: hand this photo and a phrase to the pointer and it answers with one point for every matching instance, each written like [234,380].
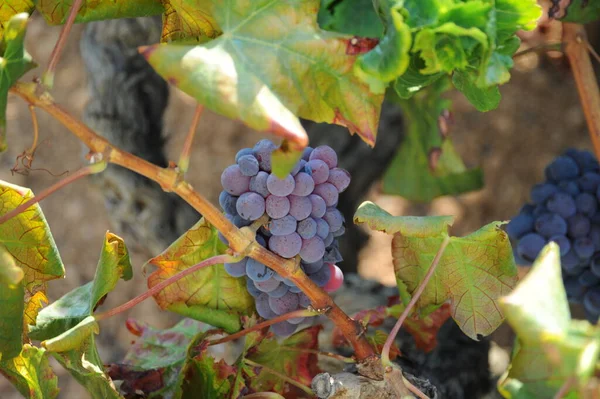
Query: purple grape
[237,269]
[570,187]
[312,250]
[571,264]
[589,182]
[227,202]
[242,152]
[298,167]
[286,246]
[296,320]
[306,153]
[541,192]
[335,219]
[285,304]
[277,207]
[318,170]
[322,228]
[300,207]
[263,306]
[258,184]
[284,226]
[562,168]
[304,184]
[588,279]
[591,302]
[314,267]
[575,291]
[578,226]
[328,192]
[250,206]
[550,224]
[303,300]
[586,203]
[562,204]
[267,285]
[563,243]
[328,240]
[248,165]
[585,160]
[595,265]
[539,210]
[321,277]
[280,291]
[262,151]
[280,187]
[252,290]
[307,228]
[530,245]
[239,221]
[594,235]
[319,207]
[295,290]
[527,209]
[332,255]
[340,178]
[233,181]
[339,232]
[584,247]
[325,154]
[257,271]
[283,329]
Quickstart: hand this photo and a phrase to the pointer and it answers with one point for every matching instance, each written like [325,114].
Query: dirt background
[538,118]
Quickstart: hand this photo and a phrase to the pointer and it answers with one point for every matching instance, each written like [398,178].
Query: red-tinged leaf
[210,295]
[378,338]
[424,329]
[265,77]
[134,380]
[31,373]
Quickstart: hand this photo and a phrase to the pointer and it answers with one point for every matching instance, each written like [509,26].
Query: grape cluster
[302,221]
[566,209]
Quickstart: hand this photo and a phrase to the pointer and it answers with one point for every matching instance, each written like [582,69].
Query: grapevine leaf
[10,274]
[187,21]
[485,99]
[550,347]
[27,238]
[10,8]
[31,373]
[73,307]
[352,17]
[472,273]
[55,12]
[389,59]
[412,80]
[74,337]
[578,11]
[265,77]
[14,60]
[210,294]
[423,329]
[426,165]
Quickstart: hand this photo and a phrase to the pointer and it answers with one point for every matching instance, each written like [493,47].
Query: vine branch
[172,181]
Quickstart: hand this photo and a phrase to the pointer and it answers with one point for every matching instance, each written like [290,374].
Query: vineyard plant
[257,273]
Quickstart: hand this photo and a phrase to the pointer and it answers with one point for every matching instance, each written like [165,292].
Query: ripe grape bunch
[302,220]
[565,209]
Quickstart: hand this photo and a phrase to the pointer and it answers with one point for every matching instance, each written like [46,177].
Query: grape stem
[341,358]
[565,388]
[385,353]
[282,376]
[184,158]
[172,181]
[161,286]
[265,324]
[577,51]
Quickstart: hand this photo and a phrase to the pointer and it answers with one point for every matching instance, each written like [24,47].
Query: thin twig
[385,353]
[184,159]
[592,51]
[48,77]
[541,48]
[34,121]
[282,376]
[162,285]
[85,171]
[565,388]
[264,324]
[320,353]
[414,389]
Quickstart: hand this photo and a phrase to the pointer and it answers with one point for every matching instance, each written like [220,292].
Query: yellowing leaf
[210,294]
[56,11]
[31,374]
[186,20]
[473,272]
[9,8]
[27,238]
[271,63]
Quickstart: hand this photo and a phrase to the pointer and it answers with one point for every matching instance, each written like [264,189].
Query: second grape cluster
[566,209]
[302,221]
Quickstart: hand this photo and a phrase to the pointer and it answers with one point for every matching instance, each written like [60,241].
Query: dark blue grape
[562,204]
[575,291]
[584,248]
[571,264]
[248,165]
[585,160]
[242,152]
[280,291]
[527,208]
[227,202]
[562,168]
[310,268]
[252,288]
[550,224]
[257,271]
[589,182]
[322,276]
[237,269]
[578,226]
[539,210]
[519,225]
[563,243]
[595,265]
[588,279]
[591,302]
[570,187]
[541,192]
[586,203]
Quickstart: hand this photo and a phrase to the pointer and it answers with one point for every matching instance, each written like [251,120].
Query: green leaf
[355,17]
[514,15]
[31,373]
[187,21]
[10,273]
[55,12]
[76,305]
[73,338]
[412,80]
[473,272]
[210,294]
[265,77]
[485,99]
[27,238]
[550,348]
[577,11]
[14,60]
[426,165]
[10,8]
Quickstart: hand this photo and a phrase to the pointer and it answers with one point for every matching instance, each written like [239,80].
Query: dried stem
[184,159]
[171,180]
[48,77]
[161,286]
[85,171]
[282,376]
[385,353]
[577,51]
[264,324]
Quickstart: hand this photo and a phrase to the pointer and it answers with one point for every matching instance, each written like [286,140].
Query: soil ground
[538,118]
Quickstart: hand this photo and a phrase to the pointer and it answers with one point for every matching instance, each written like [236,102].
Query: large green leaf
[426,165]
[578,11]
[27,238]
[484,99]
[551,348]
[354,17]
[73,307]
[14,60]
[473,272]
[31,374]
[56,11]
[265,77]
[210,294]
